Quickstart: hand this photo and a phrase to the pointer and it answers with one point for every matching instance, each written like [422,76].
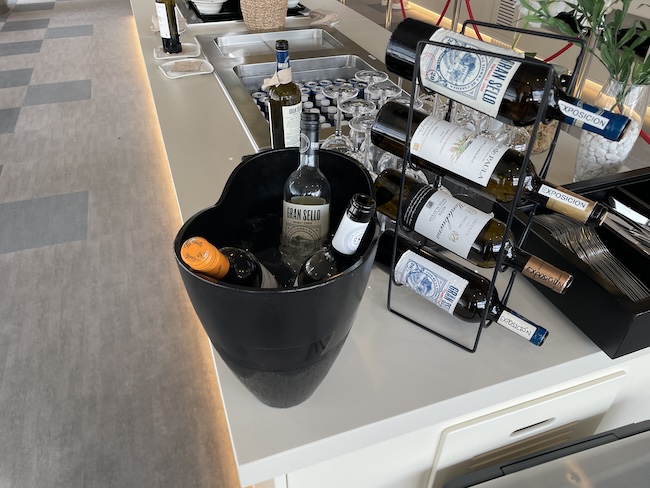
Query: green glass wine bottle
[452,287]
[481,162]
[464,230]
[508,90]
[285,103]
[166,12]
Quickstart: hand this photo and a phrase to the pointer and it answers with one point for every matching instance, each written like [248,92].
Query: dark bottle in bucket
[228,264]
[341,253]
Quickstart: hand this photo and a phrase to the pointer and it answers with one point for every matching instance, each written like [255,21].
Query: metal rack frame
[416,86]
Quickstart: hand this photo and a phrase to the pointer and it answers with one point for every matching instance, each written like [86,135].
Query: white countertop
[391,377]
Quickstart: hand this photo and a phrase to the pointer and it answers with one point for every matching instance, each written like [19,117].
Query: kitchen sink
[300,40]
[243,60]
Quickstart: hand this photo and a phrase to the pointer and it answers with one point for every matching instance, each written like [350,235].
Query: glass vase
[598,156]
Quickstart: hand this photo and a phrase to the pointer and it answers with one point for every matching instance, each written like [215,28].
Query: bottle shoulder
[285,91]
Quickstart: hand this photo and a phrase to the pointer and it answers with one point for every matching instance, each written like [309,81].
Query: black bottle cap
[282,45]
[361,208]
[309,121]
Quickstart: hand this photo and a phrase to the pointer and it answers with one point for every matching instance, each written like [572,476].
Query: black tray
[231,10]
[610,319]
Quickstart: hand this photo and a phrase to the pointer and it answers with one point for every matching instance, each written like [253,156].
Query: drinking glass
[363,122]
[354,107]
[338,141]
[369,77]
[384,90]
[388,160]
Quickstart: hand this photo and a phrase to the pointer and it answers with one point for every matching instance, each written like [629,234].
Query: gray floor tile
[23,47]
[15,77]
[29,224]
[72,31]
[25,25]
[32,7]
[8,119]
[66,91]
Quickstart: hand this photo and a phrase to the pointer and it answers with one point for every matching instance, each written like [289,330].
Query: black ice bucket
[280,343]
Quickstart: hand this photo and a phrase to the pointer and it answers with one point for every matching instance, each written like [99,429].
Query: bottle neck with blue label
[451,287]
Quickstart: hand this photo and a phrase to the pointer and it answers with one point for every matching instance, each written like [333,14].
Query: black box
[610,319]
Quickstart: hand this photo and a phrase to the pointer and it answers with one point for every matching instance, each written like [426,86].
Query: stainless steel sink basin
[243,60]
[261,43]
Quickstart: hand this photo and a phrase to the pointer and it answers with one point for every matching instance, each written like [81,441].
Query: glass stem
[338,119]
[366,154]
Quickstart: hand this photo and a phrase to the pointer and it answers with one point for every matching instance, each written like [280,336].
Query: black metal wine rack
[472,344]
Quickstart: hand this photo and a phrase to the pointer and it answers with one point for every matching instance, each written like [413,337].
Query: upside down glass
[338,141]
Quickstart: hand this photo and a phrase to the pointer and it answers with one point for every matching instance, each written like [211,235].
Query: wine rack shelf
[470,343]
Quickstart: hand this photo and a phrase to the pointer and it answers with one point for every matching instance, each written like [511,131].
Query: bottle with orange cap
[227,265]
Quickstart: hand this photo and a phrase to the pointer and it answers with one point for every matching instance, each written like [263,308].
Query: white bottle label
[305,226]
[457,149]
[451,223]
[161,10]
[348,235]
[567,203]
[438,285]
[581,116]
[476,80]
[562,196]
[516,324]
[291,124]
[268,280]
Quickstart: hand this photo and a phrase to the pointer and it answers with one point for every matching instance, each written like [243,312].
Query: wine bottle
[341,253]
[285,103]
[507,90]
[166,11]
[226,265]
[452,287]
[464,230]
[476,160]
[306,202]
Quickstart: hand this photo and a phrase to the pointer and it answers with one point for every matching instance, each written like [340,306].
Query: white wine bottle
[508,90]
[306,201]
[451,286]
[464,230]
[342,251]
[166,11]
[285,103]
[483,163]
[227,265]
